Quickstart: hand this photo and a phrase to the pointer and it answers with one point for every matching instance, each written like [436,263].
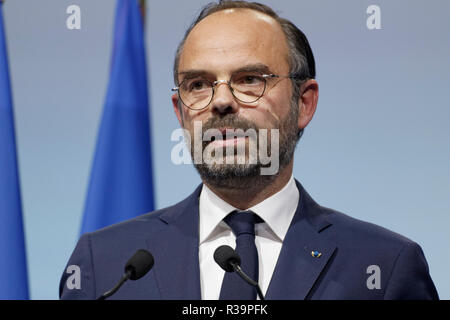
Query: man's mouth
[230,137]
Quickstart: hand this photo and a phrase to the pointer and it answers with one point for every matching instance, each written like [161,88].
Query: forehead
[232,38]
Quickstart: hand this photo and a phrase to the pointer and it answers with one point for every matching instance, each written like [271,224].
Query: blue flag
[13,265]
[121,182]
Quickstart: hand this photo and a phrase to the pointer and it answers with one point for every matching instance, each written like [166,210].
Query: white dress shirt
[277,212]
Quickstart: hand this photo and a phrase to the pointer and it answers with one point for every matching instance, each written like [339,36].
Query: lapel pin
[316,254]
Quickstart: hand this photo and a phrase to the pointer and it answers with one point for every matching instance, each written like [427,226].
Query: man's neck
[244,199]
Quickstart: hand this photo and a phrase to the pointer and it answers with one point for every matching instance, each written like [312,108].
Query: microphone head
[225,256]
[139,264]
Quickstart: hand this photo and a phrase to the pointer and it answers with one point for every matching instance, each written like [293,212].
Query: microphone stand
[247,279]
[109,293]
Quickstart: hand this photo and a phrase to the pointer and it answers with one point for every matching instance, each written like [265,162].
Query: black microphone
[229,260]
[137,267]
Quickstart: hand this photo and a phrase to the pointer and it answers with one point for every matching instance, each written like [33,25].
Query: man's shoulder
[350,230]
[142,221]
[143,224]
[344,229]
[364,249]
[104,252]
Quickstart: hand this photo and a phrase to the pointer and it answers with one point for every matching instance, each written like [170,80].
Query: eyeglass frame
[228,83]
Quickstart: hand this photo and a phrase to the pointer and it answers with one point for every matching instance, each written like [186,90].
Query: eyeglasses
[196,93]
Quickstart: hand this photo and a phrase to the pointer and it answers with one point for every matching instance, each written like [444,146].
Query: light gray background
[378,148]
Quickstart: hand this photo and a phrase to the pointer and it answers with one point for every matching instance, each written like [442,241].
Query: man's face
[217,47]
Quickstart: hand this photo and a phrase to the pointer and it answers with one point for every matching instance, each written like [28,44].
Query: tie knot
[242,222]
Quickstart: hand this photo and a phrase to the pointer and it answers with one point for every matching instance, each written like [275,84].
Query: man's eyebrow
[258,67]
[193,72]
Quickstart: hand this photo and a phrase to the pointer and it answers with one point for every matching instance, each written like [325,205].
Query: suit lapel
[297,269]
[174,245]
[175,248]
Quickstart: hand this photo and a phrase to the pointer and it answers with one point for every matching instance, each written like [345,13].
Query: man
[240,66]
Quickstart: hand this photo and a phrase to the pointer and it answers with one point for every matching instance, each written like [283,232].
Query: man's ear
[307,102]
[177,108]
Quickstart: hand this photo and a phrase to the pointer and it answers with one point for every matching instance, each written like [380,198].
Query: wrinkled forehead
[231,37]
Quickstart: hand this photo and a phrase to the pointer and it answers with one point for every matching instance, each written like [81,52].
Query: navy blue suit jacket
[347,247]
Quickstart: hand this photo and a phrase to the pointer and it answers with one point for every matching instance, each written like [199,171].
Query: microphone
[229,260]
[137,267]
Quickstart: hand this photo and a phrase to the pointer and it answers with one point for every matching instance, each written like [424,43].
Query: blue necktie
[242,223]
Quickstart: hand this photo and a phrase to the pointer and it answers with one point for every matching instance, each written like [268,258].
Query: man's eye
[249,79]
[197,85]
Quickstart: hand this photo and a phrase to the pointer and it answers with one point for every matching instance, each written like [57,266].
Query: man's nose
[223,101]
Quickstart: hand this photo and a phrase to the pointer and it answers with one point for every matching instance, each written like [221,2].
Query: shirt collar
[277,210]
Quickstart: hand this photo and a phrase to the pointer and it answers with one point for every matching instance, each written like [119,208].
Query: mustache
[229,121]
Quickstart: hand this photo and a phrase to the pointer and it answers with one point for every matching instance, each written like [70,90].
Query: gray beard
[248,175]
